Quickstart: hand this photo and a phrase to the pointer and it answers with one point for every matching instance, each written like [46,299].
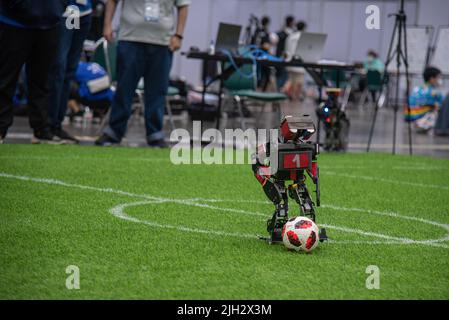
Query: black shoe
[105,141]
[45,137]
[158,144]
[64,136]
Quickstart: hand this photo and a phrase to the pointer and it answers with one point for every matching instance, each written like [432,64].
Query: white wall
[343,20]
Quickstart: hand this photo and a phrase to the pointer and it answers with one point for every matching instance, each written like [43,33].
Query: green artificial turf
[47,225]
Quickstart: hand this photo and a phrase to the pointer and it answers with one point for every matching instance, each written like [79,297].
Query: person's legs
[281,77]
[15,46]
[72,59]
[37,69]
[58,73]
[157,71]
[300,85]
[130,65]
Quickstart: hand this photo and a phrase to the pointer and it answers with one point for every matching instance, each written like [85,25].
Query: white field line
[90,158]
[432,242]
[407,183]
[125,193]
[409,167]
[167,159]
[118,211]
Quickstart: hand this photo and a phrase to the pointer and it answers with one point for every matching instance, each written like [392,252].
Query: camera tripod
[401,55]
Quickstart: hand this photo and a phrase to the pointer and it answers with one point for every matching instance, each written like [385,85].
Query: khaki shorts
[296,78]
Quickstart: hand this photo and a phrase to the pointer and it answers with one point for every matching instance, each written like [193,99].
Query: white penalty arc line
[118,211]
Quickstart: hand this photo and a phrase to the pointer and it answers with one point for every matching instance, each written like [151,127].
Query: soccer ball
[300,234]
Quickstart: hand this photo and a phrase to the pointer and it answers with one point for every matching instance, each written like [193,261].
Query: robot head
[297,128]
[333,93]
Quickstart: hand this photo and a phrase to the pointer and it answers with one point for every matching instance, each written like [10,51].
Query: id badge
[152,10]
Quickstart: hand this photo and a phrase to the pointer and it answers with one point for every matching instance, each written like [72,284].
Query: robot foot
[323,235]
[271,240]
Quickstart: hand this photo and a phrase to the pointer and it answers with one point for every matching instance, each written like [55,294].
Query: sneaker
[45,137]
[64,136]
[105,141]
[158,144]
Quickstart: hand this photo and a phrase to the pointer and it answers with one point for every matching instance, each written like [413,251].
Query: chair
[240,87]
[374,83]
[332,77]
[106,56]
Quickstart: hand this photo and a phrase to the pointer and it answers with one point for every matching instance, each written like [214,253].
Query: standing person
[96,30]
[295,74]
[145,49]
[281,72]
[261,37]
[68,54]
[262,40]
[28,36]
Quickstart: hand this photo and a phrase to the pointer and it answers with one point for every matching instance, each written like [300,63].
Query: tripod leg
[395,114]
[371,132]
[407,89]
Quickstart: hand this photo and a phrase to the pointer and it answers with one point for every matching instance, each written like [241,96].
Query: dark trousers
[134,61]
[35,49]
[442,125]
[64,68]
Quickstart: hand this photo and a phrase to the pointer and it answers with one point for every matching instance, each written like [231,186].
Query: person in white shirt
[281,72]
[295,82]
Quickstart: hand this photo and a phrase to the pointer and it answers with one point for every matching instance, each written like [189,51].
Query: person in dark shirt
[281,72]
[262,40]
[28,36]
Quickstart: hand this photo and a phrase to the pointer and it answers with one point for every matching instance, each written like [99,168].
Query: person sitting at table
[371,63]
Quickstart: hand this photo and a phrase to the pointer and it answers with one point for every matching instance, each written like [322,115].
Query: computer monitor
[228,37]
[310,46]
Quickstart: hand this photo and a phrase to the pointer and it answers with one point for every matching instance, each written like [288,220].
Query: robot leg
[298,191]
[276,192]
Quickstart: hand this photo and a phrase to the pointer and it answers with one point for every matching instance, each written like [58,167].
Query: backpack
[93,82]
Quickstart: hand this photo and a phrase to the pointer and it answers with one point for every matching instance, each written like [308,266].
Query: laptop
[310,46]
[228,37]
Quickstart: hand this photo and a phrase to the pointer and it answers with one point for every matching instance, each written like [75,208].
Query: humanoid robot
[295,157]
[335,122]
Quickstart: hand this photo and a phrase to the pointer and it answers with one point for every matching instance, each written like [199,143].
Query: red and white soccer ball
[300,234]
